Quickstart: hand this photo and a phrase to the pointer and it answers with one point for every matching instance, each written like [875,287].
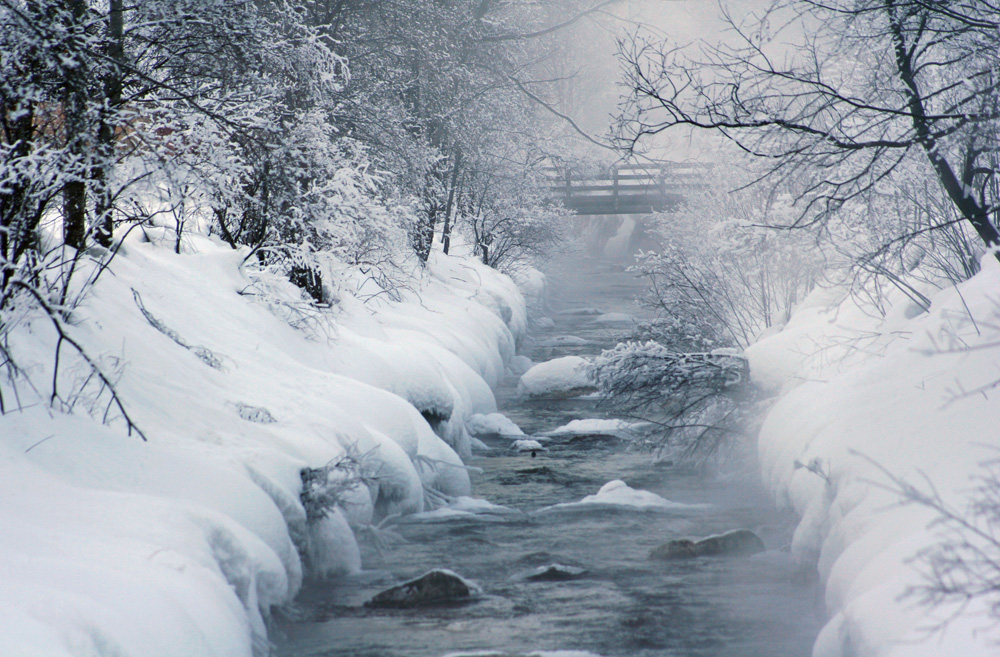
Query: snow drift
[182,545]
[911,394]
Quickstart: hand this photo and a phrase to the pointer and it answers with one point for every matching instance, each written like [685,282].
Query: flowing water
[623,604]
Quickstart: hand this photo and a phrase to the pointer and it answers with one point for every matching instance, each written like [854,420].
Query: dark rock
[737,543]
[435,587]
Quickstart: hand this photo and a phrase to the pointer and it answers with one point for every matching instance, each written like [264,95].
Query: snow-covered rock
[568,376]
[736,543]
[527,445]
[435,587]
[618,494]
[462,508]
[491,425]
[518,365]
[599,427]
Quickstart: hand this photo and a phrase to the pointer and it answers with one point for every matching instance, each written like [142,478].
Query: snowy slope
[862,393]
[179,546]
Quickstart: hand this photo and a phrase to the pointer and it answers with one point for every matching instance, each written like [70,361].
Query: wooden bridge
[625,189]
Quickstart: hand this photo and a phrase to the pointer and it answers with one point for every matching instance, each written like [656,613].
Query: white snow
[182,545]
[463,508]
[618,494]
[568,376]
[492,424]
[518,365]
[912,392]
[598,427]
[526,445]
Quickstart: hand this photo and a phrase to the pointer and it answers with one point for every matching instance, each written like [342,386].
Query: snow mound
[865,394]
[463,508]
[518,365]
[526,446]
[493,424]
[182,545]
[617,494]
[599,427]
[564,377]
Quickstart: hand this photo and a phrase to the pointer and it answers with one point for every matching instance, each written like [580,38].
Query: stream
[623,604]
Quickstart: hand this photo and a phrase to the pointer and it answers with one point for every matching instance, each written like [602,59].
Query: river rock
[436,587]
[737,543]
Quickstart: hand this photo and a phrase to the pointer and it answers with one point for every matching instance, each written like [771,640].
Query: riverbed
[616,601]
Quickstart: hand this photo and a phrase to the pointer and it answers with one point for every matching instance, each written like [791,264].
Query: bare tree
[838,96]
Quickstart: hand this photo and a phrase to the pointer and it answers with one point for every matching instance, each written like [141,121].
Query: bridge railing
[625,189]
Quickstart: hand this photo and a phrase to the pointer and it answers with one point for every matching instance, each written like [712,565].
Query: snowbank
[913,393]
[183,544]
[568,376]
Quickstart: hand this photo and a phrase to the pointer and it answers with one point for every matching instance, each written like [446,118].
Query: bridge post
[614,193]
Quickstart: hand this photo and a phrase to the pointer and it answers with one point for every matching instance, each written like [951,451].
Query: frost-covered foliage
[725,271]
[696,399]
[904,234]
[503,211]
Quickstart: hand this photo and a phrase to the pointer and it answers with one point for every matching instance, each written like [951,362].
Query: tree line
[309,131]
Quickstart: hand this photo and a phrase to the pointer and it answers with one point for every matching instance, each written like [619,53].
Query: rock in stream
[435,587]
[737,543]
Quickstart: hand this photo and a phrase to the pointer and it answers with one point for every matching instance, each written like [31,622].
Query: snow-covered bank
[179,546]
[912,393]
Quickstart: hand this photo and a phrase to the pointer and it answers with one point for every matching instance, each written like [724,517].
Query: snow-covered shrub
[337,497]
[721,276]
[698,400]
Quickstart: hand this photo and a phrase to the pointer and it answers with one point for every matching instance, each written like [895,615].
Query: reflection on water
[618,602]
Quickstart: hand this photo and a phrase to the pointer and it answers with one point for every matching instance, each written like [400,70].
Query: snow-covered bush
[721,276]
[697,400]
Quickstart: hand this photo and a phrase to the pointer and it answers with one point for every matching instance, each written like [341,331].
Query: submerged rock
[436,587]
[737,543]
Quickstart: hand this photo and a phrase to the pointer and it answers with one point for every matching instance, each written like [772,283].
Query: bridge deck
[626,189]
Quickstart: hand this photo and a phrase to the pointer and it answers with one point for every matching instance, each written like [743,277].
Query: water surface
[624,604]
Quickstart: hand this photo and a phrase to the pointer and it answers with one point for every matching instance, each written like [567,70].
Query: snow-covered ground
[181,545]
[912,394]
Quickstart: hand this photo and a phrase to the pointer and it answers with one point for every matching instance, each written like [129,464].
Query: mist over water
[624,604]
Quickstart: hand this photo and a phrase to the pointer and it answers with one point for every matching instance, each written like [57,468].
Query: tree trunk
[106,135]
[74,109]
[959,192]
[446,231]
